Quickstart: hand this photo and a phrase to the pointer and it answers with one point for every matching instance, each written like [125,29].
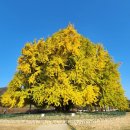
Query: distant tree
[65,70]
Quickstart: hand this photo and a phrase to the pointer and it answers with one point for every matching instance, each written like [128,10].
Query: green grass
[61,116]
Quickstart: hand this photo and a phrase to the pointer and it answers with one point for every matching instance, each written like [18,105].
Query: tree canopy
[65,69]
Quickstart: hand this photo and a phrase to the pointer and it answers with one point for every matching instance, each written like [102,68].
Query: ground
[117,123]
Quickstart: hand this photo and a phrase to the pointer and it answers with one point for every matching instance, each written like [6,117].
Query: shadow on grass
[109,113]
[5,116]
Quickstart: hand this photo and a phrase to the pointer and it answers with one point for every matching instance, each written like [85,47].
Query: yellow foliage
[90,94]
[65,69]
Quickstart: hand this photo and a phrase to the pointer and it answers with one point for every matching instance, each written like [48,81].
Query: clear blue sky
[103,21]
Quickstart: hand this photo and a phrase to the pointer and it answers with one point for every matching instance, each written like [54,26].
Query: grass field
[116,123]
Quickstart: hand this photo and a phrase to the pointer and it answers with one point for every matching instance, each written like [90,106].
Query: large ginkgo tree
[65,70]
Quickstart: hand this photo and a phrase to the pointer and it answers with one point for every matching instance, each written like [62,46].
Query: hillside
[2,90]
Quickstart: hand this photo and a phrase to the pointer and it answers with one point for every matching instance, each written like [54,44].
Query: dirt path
[53,127]
[17,127]
[34,127]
